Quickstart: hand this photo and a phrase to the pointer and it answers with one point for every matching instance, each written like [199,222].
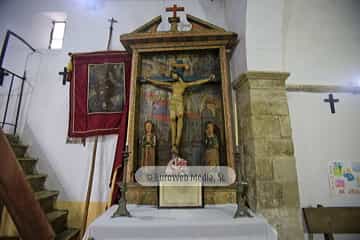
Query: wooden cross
[175,9]
[331,100]
[112,21]
[64,75]
[181,65]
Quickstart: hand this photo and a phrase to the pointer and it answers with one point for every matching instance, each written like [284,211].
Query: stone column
[268,153]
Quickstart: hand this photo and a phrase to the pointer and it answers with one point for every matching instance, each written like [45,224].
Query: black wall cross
[64,75]
[331,100]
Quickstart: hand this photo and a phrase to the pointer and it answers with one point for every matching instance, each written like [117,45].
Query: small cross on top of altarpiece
[174,20]
[175,9]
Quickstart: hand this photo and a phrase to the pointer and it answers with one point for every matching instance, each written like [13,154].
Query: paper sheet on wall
[344,178]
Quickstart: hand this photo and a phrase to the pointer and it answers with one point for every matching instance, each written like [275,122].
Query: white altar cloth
[148,222]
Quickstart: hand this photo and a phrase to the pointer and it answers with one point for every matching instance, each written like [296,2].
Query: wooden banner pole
[88,194]
[92,168]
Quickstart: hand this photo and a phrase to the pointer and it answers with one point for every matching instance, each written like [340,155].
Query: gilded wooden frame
[225,84]
[203,35]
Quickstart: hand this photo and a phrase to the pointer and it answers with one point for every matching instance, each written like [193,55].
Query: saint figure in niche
[211,154]
[148,145]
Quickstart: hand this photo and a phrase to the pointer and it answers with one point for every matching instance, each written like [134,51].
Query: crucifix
[331,100]
[64,74]
[176,101]
[174,20]
[112,21]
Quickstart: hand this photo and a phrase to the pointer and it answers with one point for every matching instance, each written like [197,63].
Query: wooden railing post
[18,198]
[1,210]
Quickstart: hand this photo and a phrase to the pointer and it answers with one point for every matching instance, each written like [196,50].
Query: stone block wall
[268,152]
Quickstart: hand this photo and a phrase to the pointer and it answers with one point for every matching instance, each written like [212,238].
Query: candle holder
[241,187]
[122,211]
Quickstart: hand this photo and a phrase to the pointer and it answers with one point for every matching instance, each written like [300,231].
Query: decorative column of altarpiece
[99,97]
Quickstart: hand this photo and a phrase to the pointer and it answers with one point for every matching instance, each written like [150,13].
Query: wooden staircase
[57,218]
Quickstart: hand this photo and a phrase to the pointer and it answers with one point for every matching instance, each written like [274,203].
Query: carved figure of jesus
[176,107]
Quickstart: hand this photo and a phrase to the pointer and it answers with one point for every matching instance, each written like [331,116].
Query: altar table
[148,222]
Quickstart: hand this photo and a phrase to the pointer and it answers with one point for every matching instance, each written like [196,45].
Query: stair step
[68,234]
[47,199]
[37,181]
[58,220]
[28,164]
[13,139]
[19,149]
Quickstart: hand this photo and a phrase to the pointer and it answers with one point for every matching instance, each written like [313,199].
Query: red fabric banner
[89,117]
[81,122]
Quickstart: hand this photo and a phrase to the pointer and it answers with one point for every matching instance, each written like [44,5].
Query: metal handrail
[6,42]
[6,72]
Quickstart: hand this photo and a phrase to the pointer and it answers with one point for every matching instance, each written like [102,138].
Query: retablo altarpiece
[204,51]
